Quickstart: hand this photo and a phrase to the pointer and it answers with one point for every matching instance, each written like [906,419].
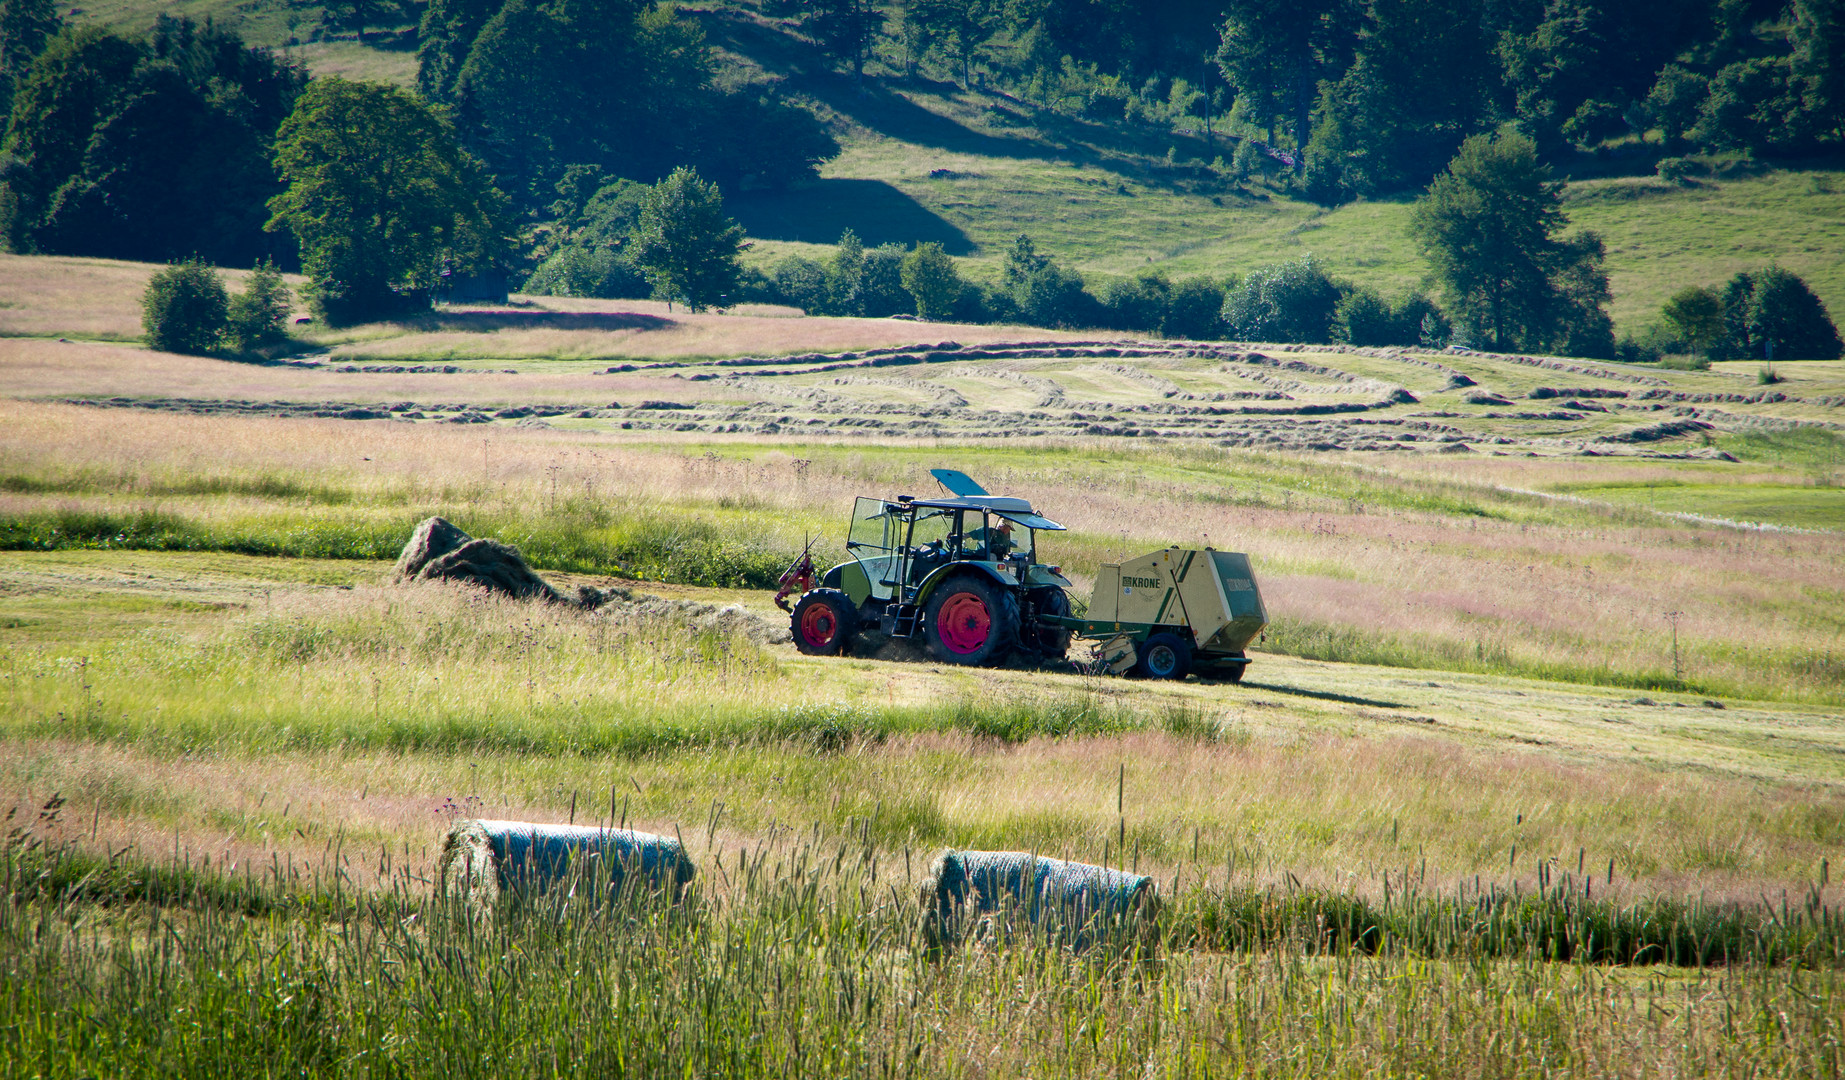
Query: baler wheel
[1164,656]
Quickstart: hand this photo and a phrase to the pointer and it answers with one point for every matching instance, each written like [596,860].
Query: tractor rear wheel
[821,622]
[1164,656]
[971,621]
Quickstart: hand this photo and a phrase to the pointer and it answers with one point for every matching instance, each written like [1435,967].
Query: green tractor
[959,575]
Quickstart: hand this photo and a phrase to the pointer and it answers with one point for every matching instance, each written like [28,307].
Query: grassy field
[1461,777]
[229,774]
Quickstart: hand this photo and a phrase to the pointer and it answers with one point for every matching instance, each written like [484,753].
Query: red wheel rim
[818,625]
[964,623]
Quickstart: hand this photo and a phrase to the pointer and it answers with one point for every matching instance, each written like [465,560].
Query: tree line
[1375,96]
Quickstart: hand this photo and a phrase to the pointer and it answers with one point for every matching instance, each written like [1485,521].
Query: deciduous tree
[1695,314]
[1490,227]
[930,276]
[685,243]
[184,308]
[379,196]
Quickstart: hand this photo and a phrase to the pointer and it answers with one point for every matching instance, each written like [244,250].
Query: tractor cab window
[998,538]
[932,541]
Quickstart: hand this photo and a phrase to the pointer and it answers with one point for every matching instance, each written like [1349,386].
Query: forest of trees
[539,132]
[1375,96]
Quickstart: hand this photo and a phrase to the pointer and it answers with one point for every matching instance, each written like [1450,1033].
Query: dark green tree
[25,27]
[930,277]
[845,276]
[1423,79]
[1578,66]
[1676,101]
[446,36]
[538,87]
[588,253]
[1022,261]
[686,245]
[881,291]
[1489,228]
[1753,107]
[1276,52]
[800,282]
[1136,303]
[1195,310]
[844,29]
[258,316]
[1362,317]
[184,308]
[148,151]
[1817,37]
[1695,314]
[1293,301]
[955,29]
[1771,314]
[380,195]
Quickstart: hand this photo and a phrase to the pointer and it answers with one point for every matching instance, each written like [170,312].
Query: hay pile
[438,551]
[490,862]
[992,894]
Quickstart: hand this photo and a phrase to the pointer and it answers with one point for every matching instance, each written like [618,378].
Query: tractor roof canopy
[1015,510]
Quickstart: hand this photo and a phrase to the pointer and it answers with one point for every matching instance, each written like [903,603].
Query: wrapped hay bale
[1072,903]
[488,861]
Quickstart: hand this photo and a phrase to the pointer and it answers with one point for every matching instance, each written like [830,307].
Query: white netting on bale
[488,862]
[990,894]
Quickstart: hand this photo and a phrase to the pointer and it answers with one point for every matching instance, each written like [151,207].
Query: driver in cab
[996,538]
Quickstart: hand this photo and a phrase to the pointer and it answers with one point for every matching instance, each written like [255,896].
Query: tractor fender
[943,573]
[849,578]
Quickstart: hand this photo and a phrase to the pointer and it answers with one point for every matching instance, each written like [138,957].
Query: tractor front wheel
[1164,656]
[821,622]
[971,621]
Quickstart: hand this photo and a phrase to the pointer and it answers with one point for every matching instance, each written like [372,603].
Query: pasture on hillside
[1547,713]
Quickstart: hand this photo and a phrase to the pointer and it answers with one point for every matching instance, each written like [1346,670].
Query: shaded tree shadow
[817,213]
[1322,695]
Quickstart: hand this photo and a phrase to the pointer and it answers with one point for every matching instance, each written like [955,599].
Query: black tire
[822,621]
[952,622]
[1164,656]
[1052,641]
[1234,672]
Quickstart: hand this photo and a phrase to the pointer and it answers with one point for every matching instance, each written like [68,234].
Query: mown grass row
[803,957]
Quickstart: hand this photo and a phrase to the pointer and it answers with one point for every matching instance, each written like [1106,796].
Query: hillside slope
[1115,198]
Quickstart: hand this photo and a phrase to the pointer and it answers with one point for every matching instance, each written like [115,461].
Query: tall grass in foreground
[800,957]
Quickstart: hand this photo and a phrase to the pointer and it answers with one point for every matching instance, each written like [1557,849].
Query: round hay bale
[990,893]
[488,862]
